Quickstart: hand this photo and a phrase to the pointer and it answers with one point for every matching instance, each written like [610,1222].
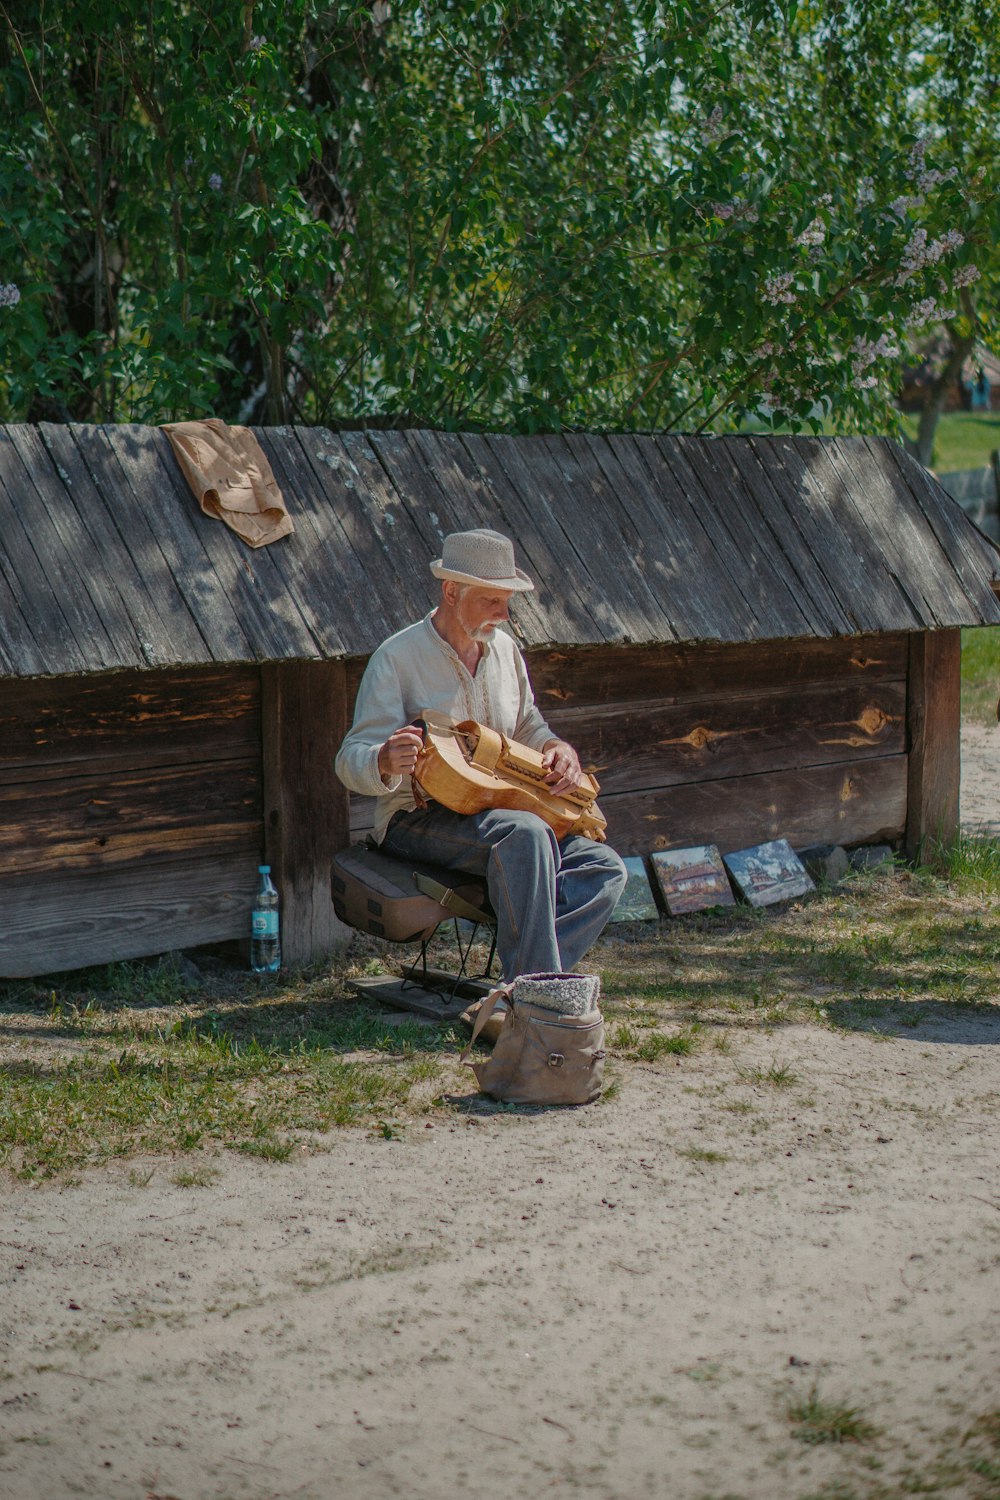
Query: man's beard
[485,632]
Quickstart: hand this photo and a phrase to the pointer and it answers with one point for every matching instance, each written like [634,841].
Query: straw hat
[482,557]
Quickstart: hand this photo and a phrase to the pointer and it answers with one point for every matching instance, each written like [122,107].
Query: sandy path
[568,1304]
[561,1304]
[981,777]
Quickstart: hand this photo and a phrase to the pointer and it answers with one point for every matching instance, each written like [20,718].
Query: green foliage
[639,215]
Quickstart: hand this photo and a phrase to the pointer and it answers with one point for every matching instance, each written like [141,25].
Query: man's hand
[398,756]
[564,766]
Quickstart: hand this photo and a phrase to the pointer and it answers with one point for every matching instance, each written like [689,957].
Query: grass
[777,1076]
[109,1062]
[816,1420]
[126,1060]
[964,1466]
[963,440]
[981,674]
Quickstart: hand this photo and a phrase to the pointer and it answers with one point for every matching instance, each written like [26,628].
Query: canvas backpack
[550,1047]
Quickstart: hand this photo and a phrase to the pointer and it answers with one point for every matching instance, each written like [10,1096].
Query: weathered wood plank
[839,536]
[591,516]
[19,652]
[35,595]
[72,560]
[971,559]
[350,552]
[123,719]
[735,524]
[878,522]
[643,532]
[858,802]
[66,920]
[888,514]
[114,567]
[572,593]
[654,744]
[305,807]
[310,563]
[935,715]
[181,638]
[406,540]
[677,545]
[91,821]
[623,673]
[744,619]
[436,510]
[790,539]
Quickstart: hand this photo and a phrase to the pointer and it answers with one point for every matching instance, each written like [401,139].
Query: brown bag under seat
[402,900]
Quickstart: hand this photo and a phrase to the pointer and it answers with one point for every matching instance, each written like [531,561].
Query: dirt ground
[625,1301]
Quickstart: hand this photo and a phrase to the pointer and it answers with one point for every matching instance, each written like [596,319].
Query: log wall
[131,807]
[732,745]
[136,807]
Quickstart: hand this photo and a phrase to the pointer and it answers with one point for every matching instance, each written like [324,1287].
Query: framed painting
[692,879]
[636,902]
[766,873]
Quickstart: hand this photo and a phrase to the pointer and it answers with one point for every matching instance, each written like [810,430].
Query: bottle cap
[263,869]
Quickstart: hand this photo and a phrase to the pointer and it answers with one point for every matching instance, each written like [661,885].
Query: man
[551,898]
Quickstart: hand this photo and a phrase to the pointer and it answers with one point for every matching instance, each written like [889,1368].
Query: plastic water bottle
[265,939]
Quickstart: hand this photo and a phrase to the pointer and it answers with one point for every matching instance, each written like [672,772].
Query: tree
[926,74]
[611,213]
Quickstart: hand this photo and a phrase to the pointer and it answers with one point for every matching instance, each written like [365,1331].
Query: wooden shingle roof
[106,560]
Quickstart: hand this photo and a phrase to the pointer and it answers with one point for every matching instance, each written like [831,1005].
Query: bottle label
[264,924]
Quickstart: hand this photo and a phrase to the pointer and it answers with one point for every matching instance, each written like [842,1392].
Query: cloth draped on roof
[231,478]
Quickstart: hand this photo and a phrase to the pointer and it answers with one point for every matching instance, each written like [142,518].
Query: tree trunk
[961,346]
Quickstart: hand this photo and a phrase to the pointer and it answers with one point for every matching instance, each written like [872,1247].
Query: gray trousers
[551,898]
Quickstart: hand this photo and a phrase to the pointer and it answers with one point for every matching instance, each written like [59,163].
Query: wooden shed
[746,636]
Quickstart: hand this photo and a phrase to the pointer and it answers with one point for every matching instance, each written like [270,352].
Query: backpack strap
[449,899]
[487,1007]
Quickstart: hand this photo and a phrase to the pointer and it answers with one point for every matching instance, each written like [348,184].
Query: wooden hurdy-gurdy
[468,767]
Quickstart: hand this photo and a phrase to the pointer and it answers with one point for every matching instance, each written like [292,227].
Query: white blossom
[777,288]
[865,352]
[926,311]
[915,160]
[739,208]
[813,235]
[966,275]
[930,179]
[713,129]
[901,206]
[10,294]
[866,192]
[921,252]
